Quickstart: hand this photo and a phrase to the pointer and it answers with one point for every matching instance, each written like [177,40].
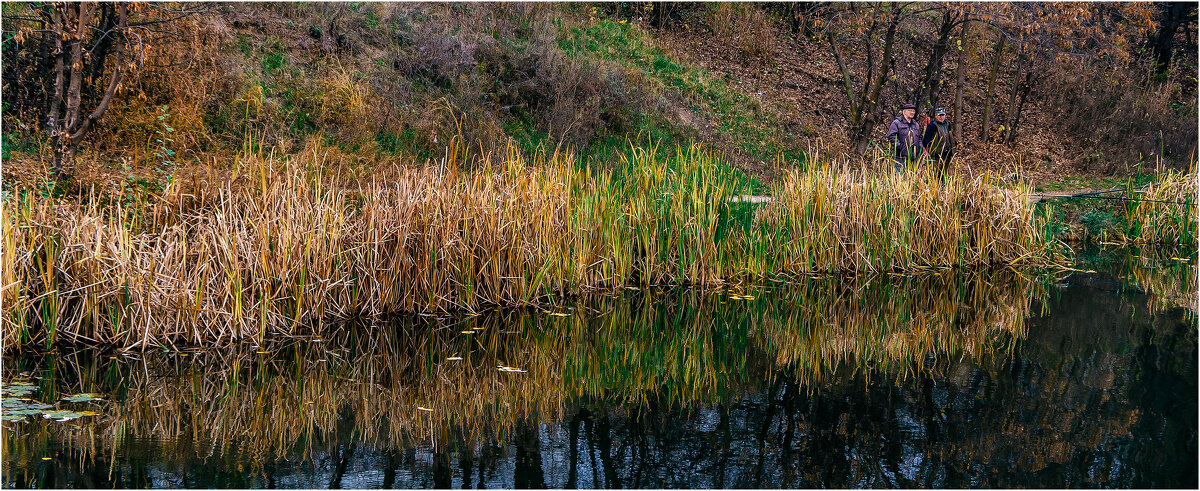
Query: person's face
[941,118]
[909,113]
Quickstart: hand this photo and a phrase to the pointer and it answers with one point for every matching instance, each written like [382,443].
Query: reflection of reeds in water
[281,248]
[1171,281]
[681,347]
[860,322]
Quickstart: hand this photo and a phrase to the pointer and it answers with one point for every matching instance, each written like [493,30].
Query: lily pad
[12,417]
[85,397]
[18,390]
[61,415]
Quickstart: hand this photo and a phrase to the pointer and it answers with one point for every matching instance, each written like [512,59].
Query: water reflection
[992,379]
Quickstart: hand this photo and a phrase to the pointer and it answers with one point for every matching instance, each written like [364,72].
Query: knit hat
[939,112]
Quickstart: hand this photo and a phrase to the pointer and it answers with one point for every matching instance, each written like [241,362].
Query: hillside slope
[367,83]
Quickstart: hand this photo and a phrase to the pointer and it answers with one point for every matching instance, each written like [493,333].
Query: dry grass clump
[746,28]
[282,247]
[283,251]
[825,220]
[1167,213]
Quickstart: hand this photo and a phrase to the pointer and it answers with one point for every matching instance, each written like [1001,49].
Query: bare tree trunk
[1011,112]
[1026,86]
[847,84]
[53,118]
[960,76]
[67,124]
[863,133]
[987,98]
[1173,14]
[933,68]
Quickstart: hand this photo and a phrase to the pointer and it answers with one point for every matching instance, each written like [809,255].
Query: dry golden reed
[1167,212]
[283,247]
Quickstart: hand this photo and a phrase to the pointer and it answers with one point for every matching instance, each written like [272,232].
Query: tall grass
[282,246]
[825,220]
[1166,212]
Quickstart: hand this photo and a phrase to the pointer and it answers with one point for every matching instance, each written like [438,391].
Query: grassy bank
[283,246]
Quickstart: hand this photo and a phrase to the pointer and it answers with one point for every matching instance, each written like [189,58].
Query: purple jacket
[906,136]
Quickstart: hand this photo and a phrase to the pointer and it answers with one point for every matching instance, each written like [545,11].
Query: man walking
[905,134]
[939,142]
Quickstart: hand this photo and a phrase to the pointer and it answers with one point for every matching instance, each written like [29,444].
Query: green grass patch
[751,127]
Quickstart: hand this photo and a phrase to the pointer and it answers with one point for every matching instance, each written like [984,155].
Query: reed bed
[1166,212]
[825,220]
[426,380]
[281,248]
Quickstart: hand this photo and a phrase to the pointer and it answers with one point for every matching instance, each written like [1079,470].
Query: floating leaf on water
[17,389]
[45,458]
[89,413]
[86,397]
[12,417]
[468,331]
[61,415]
[10,400]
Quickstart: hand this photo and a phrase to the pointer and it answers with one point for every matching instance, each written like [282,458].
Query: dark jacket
[906,136]
[938,139]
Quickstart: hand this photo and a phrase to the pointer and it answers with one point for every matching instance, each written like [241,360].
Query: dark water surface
[960,379]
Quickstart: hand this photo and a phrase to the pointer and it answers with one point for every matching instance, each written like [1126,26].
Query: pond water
[996,378]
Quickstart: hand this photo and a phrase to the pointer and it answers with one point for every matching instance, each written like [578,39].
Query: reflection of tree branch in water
[343,454]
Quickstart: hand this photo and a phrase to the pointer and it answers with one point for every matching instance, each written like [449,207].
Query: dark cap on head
[907,106]
[939,112]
